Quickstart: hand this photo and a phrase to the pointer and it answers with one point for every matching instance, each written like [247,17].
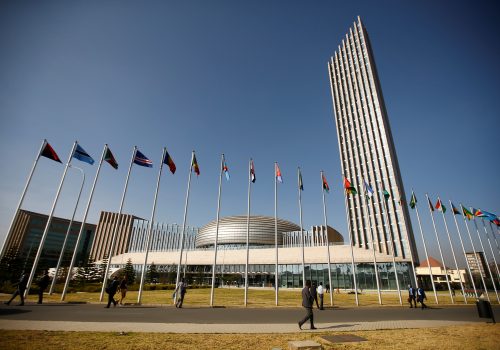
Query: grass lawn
[234,297]
[477,336]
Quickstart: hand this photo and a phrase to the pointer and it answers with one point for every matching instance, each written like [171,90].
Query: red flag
[49,152]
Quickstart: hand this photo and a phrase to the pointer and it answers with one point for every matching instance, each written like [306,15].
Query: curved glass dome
[233,231]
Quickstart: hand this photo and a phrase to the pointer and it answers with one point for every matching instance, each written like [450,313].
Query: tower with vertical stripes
[367,151]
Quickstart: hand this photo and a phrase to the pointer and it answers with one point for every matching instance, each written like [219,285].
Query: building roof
[432,262]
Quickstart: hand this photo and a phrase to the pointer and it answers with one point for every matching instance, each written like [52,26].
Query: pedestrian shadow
[339,326]
[13,311]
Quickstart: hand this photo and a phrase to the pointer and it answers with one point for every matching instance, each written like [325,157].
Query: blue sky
[248,79]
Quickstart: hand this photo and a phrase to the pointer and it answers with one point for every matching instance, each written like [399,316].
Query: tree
[152,274]
[130,272]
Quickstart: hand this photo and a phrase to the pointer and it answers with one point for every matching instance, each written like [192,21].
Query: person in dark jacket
[307,303]
[21,288]
[412,296]
[111,290]
[421,296]
[43,283]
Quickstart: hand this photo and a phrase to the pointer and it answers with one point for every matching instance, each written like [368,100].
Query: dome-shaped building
[233,231]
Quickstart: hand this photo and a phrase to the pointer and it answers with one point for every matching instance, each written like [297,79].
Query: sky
[247,79]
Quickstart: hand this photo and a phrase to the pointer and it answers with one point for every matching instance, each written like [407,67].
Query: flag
[454,210]
[489,215]
[325,184]
[413,200]
[348,188]
[496,221]
[368,190]
[225,169]
[278,174]
[142,160]
[81,155]
[430,205]
[478,213]
[252,171]
[386,194]
[170,162]
[194,166]
[467,213]
[301,184]
[440,206]
[108,157]
[49,152]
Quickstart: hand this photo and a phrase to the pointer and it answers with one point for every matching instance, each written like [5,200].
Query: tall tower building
[367,151]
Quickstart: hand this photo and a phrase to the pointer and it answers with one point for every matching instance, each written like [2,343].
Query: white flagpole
[248,230]
[486,261]
[214,266]
[465,255]
[453,251]
[82,227]
[276,231]
[327,241]
[301,230]
[181,243]
[150,228]
[475,256]
[440,251]
[494,237]
[375,268]
[51,290]
[351,238]
[49,221]
[425,250]
[9,233]
[117,225]
[491,248]
[386,209]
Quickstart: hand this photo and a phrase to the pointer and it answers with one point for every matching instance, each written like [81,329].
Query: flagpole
[425,250]
[452,251]
[491,248]
[276,231]
[82,227]
[49,221]
[486,260]
[150,228]
[465,255]
[440,251]
[475,256]
[375,268]
[494,237]
[327,241]
[214,266]
[67,233]
[248,230]
[181,243]
[301,230]
[9,233]
[352,249]
[115,229]
[385,206]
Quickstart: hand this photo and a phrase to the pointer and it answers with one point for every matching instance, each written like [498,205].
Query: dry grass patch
[476,336]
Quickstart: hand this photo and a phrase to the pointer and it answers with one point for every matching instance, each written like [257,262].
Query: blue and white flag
[368,190]
[83,156]
[142,160]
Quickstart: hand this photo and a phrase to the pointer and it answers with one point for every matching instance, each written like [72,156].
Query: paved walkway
[95,318]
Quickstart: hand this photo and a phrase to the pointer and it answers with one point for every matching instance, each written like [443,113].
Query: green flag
[413,200]
[386,194]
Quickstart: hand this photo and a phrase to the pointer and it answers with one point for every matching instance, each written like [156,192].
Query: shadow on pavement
[340,326]
[12,311]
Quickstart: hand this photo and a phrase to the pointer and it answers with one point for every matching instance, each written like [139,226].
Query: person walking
[307,303]
[111,290]
[321,292]
[123,289]
[412,296]
[43,283]
[181,290]
[314,294]
[21,288]
[421,296]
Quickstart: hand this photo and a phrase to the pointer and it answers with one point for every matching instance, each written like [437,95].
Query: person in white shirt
[320,291]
